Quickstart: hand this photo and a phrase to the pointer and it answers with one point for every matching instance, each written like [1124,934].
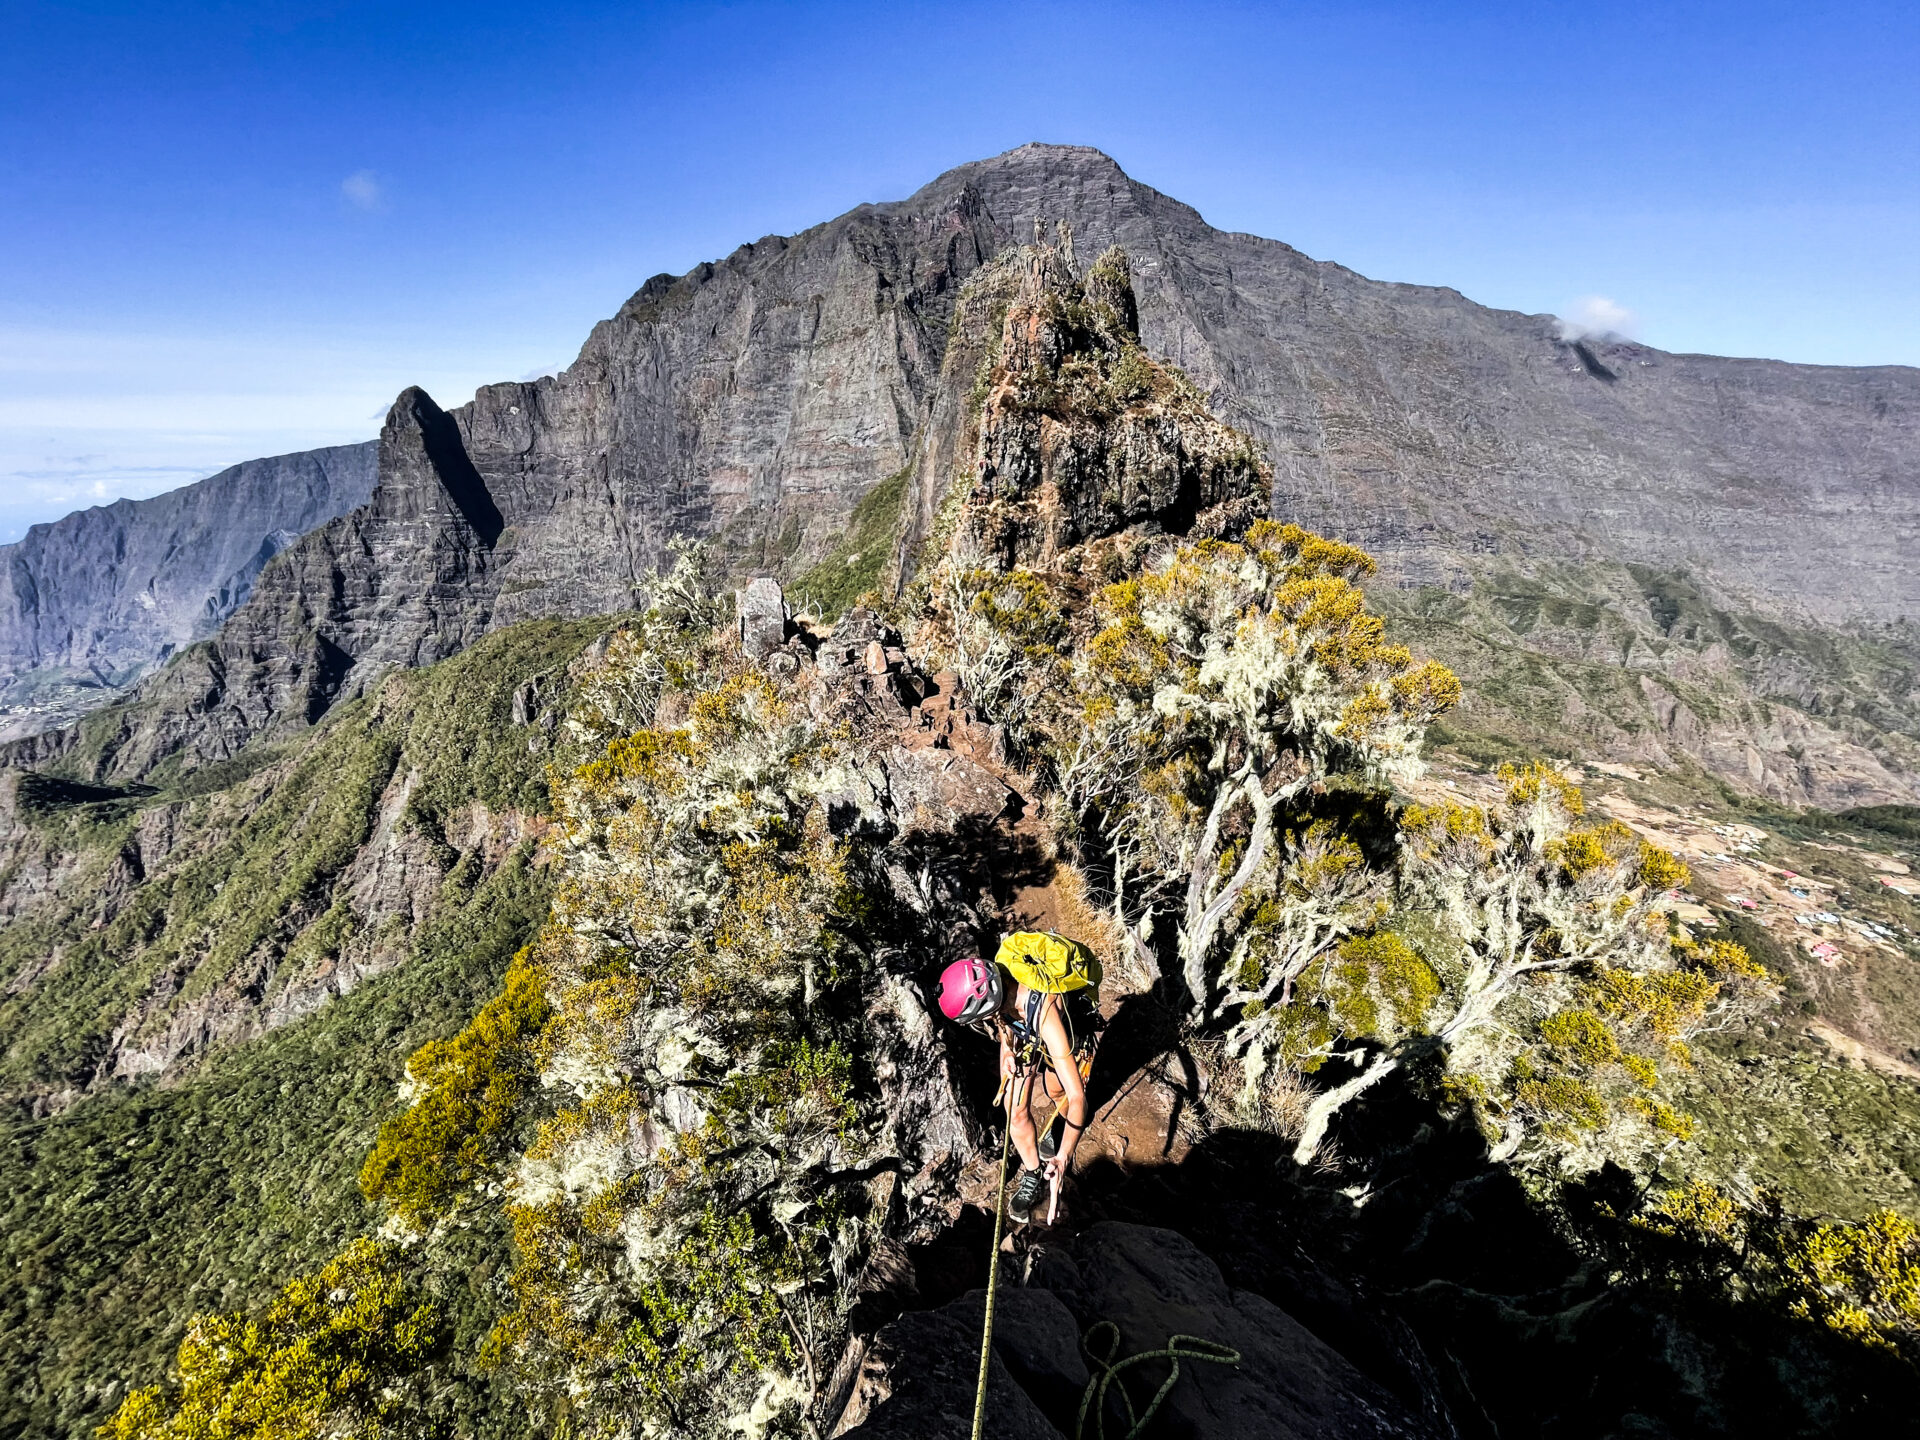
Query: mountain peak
[761,399]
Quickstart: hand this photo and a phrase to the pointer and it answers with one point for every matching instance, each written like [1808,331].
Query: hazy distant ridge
[113,590]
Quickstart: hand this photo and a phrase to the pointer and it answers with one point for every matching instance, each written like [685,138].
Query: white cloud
[363,190]
[1599,317]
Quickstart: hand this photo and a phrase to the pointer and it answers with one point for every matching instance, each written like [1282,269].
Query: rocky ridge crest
[758,398]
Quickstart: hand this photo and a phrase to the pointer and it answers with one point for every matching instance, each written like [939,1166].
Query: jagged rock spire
[1081,433]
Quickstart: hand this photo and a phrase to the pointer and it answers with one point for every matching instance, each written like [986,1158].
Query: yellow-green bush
[1861,1281]
[1566,992]
[471,1087]
[334,1354]
[681,1240]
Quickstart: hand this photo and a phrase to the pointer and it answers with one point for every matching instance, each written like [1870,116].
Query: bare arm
[1073,1101]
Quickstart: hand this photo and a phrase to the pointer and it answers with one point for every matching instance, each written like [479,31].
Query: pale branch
[1321,1110]
[1201,938]
[1209,842]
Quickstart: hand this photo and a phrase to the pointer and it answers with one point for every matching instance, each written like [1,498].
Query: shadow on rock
[1420,1290]
[1266,1375]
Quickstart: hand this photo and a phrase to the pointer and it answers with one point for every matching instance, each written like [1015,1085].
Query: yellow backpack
[1049,963]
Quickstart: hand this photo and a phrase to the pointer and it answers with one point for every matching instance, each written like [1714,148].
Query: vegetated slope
[1815,1099]
[145,927]
[269,940]
[1638,664]
[92,602]
[386,834]
[134,1210]
[759,398]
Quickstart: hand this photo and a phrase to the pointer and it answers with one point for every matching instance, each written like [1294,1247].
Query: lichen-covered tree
[1226,729]
[671,645]
[1543,978]
[663,1095]
[685,1223]
[1220,692]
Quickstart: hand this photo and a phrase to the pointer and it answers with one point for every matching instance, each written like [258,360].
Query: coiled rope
[1177,1348]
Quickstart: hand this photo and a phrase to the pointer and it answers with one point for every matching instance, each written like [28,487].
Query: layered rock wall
[757,399]
[107,593]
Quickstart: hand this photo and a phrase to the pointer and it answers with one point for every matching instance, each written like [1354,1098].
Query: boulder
[939,790]
[763,618]
[919,1381]
[918,1377]
[1289,1384]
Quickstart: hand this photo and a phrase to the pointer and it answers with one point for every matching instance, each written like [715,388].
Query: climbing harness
[1045,964]
[993,1277]
[1177,1348]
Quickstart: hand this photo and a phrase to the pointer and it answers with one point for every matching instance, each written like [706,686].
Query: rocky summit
[493,983]
[1674,558]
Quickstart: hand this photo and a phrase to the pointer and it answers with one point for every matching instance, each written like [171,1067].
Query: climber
[1047,1024]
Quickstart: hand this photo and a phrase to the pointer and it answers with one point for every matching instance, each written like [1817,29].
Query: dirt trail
[1143,1089]
[1860,1053]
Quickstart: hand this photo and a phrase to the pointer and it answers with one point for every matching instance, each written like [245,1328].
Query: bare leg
[1056,1094]
[1020,1121]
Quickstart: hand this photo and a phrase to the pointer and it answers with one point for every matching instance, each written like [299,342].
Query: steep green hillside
[853,566]
[133,1210]
[1631,663]
[130,1209]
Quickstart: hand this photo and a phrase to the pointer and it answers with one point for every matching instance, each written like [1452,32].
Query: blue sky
[234,230]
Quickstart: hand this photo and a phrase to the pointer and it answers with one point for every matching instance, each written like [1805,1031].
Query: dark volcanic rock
[405,580]
[919,1376]
[920,1380]
[1080,434]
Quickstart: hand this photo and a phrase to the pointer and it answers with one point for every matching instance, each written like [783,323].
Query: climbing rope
[1177,1348]
[993,1276]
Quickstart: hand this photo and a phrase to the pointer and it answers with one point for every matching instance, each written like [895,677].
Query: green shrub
[473,1085]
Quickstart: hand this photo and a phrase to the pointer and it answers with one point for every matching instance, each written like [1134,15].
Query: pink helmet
[970,989]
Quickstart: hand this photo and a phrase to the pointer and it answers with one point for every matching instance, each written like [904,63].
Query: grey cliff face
[105,594]
[1080,434]
[405,580]
[757,399]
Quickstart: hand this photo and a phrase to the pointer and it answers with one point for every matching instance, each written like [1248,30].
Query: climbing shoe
[1050,1142]
[1031,1190]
